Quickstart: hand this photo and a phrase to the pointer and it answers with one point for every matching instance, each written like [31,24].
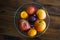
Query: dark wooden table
[8,7]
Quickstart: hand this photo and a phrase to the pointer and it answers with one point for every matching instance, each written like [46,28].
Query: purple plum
[32,19]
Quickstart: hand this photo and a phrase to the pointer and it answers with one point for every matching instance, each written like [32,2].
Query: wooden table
[8,7]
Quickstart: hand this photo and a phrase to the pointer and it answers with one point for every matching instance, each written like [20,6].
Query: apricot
[41,14]
[24,15]
[32,32]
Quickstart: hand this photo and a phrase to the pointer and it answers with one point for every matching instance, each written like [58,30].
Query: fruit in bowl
[24,25]
[40,25]
[24,15]
[41,14]
[31,9]
[32,19]
[32,32]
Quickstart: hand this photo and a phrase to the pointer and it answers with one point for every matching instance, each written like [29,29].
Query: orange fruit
[41,14]
[32,32]
[24,15]
[40,25]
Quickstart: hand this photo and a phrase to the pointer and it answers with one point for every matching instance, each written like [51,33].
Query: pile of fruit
[32,20]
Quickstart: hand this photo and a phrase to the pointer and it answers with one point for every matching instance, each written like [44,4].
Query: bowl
[17,18]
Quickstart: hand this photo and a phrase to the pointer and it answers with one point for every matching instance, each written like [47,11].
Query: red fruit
[31,9]
[24,25]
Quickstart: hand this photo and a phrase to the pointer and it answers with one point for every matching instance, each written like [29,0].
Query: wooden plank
[13,5]
[7,9]
[51,2]
[53,10]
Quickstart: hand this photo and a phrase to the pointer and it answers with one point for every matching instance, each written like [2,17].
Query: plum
[32,19]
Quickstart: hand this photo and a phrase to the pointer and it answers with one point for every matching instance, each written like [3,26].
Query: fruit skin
[40,25]
[24,25]
[41,14]
[32,32]
[24,14]
[32,19]
[31,9]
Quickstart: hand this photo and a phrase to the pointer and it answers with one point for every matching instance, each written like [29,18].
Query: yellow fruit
[40,25]
[24,15]
[41,14]
[32,32]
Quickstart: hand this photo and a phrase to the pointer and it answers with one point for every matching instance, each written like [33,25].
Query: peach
[41,14]
[31,9]
[40,25]
[24,25]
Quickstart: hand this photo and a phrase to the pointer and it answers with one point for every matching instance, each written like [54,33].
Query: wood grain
[51,2]
[8,7]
